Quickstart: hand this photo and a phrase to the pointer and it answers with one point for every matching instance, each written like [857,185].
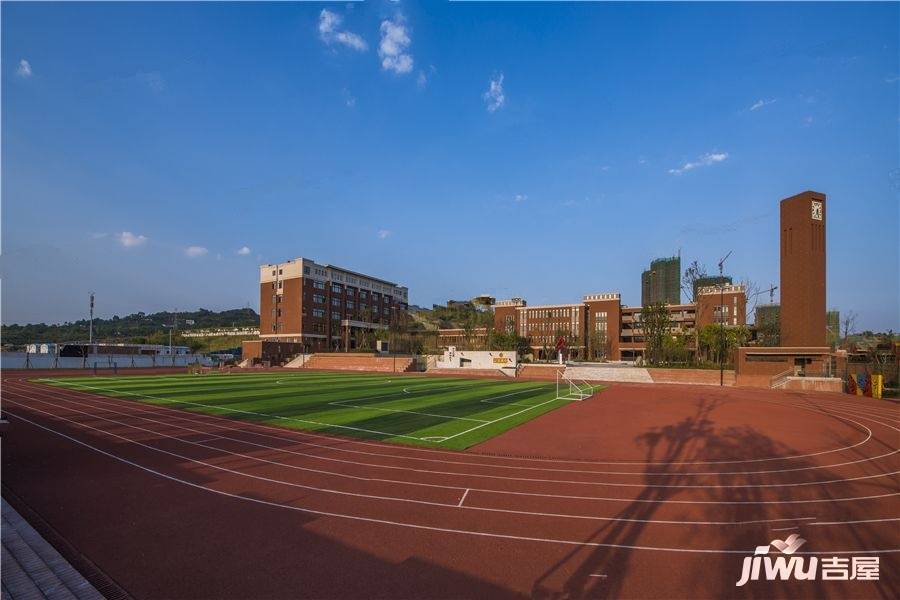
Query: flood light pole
[722,314]
[91,323]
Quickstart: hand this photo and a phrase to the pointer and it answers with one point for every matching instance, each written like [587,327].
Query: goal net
[571,388]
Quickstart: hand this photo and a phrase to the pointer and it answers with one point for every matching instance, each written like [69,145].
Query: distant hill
[139,327]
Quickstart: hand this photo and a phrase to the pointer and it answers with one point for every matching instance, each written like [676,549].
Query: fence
[25,360]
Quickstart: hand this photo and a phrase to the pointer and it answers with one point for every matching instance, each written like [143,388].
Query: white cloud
[520,198]
[329,33]
[710,158]
[494,97]
[349,99]
[195,251]
[243,251]
[153,80]
[130,240]
[394,46]
[423,77]
[893,79]
[24,69]
[384,234]
[761,103]
[807,120]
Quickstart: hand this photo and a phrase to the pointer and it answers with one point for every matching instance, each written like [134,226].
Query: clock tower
[803,321]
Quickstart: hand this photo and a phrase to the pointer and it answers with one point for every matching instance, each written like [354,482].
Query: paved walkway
[33,569]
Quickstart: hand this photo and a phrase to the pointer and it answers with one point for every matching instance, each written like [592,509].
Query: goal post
[571,388]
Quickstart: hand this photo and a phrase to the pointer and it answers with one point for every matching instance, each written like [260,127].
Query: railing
[779,380]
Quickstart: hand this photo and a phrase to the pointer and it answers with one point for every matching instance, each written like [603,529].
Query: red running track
[648,491]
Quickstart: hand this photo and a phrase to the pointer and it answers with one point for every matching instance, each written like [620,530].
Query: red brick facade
[601,320]
[803,320]
[322,306]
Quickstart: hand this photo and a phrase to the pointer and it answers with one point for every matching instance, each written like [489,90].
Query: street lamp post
[722,315]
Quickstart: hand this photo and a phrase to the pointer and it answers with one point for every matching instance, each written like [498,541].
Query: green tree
[656,325]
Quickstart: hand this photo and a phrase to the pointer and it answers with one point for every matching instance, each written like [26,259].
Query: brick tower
[803,321]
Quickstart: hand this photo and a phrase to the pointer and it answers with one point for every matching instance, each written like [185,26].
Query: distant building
[710,281]
[833,320]
[766,314]
[600,325]
[306,307]
[662,282]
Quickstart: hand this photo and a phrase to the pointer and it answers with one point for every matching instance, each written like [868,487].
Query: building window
[336,289]
[349,304]
[318,298]
[336,302]
[306,270]
[319,285]
[318,312]
[363,294]
[335,316]
[280,284]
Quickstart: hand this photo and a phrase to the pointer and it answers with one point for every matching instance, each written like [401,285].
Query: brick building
[803,321]
[318,307]
[601,325]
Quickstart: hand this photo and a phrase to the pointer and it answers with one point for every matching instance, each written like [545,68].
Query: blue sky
[537,150]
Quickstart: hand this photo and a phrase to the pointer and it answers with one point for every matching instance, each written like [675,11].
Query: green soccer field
[435,412]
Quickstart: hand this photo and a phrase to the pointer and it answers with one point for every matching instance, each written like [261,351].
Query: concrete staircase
[616,373]
[32,568]
[298,361]
[359,362]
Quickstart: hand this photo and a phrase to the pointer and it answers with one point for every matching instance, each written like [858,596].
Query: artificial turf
[435,412]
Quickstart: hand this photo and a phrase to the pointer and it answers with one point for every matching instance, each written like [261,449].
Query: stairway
[32,568]
[610,373]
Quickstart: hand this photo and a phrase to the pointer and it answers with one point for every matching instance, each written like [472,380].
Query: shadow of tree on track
[602,571]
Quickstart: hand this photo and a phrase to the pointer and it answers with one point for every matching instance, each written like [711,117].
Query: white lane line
[463,499]
[455,488]
[206,441]
[113,402]
[787,528]
[892,519]
[433,451]
[427,527]
[506,492]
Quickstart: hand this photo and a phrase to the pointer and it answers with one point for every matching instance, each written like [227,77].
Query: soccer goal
[572,389]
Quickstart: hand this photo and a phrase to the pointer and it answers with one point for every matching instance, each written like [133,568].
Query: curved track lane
[572,526]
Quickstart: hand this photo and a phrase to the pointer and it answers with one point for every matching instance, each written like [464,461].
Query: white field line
[463,499]
[519,412]
[250,412]
[405,390]
[309,421]
[432,452]
[418,526]
[345,404]
[431,472]
[202,417]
